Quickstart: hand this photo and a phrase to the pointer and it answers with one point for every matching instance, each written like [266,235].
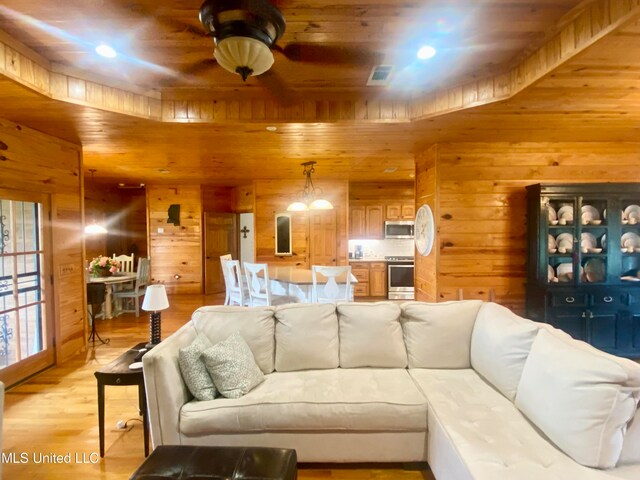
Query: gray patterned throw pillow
[232,367]
[193,369]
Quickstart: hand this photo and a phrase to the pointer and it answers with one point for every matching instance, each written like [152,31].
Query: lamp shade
[155,299]
[94,229]
[297,207]
[321,204]
[242,54]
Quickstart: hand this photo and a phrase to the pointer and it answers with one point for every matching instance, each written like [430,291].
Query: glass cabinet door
[630,239]
[594,231]
[561,238]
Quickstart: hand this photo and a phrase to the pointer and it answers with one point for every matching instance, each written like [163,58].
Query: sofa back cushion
[500,345]
[581,398]
[256,325]
[438,335]
[306,337]
[371,335]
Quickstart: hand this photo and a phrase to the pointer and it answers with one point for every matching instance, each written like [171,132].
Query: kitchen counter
[368,259]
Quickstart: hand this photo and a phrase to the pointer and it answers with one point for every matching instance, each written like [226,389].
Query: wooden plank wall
[273,196]
[481,212]
[34,162]
[123,213]
[176,253]
[426,193]
[381,193]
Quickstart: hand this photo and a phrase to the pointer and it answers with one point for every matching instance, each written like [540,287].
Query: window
[22,296]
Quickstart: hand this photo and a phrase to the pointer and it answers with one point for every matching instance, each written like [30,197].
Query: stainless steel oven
[400,278]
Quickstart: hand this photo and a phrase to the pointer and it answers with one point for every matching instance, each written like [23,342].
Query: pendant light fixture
[94,228]
[309,197]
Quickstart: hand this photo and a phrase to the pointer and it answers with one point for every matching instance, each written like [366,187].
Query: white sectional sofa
[473,389]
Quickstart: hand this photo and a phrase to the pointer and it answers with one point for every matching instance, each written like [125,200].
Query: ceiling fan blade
[330,54]
[172,23]
[278,88]
[198,67]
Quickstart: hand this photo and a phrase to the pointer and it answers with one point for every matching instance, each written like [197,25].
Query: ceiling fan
[246,33]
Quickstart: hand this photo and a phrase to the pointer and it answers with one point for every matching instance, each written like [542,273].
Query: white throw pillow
[500,345]
[438,335]
[255,324]
[582,399]
[194,372]
[232,367]
[306,337]
[371,335]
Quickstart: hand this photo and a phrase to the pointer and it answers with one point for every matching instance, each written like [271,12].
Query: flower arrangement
[103,266]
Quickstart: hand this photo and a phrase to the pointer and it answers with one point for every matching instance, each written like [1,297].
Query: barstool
[95,298]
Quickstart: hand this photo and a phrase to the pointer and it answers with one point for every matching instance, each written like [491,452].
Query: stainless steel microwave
[398,229]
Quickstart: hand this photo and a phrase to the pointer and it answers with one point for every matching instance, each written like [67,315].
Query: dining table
[298,282]
[109,283]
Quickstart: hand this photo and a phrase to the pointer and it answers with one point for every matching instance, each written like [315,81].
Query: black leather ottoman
[186,462]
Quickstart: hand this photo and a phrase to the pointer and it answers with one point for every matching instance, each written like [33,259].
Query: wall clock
[424,230]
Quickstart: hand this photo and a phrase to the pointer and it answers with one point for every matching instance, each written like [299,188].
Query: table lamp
[155,300]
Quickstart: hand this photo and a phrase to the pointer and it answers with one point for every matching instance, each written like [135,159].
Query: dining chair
[223,259]
[260,288]
[126,262]
[330,291]
[237,293]
[139,287]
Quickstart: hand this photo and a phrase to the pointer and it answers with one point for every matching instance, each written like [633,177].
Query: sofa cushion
[306,337]
[500,345]
[194,372]
[476,433]
[315,400]
[371,335]
[438,335]
[255,324]
[630,454]
[581,398]
[232,367]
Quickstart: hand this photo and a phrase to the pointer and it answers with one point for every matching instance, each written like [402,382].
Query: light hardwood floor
[55,412]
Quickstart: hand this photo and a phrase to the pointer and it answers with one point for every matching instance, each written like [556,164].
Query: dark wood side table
[118,373]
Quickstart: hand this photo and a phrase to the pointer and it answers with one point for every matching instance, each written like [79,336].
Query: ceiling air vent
[380,75]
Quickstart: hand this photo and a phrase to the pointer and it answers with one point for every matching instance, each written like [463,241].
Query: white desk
[114,279]
[298,282]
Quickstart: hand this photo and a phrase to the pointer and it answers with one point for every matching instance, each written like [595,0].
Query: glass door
[25,313]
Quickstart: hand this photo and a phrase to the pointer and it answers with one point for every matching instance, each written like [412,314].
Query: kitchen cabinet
[584,262]
[378,279]
[372,279]
[374,221]
[357,222]
[397,211]
[366,222]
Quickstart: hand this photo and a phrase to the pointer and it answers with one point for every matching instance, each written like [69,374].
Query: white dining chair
[139,287]
[259,286]
[330,291]
[237,293]
[223,259]
[126,262]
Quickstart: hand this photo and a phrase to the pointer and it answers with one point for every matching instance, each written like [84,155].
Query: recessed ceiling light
[390,169]
[272,128]
[106,51]
[426,52]
[411,175]
[163,170]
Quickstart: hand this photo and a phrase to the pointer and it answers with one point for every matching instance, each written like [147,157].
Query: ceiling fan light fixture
[426,52]
[244,56]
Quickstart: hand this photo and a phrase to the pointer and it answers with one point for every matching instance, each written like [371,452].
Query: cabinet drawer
[568,300]
[361,274]
[378,266]
[361,290]
[612,299]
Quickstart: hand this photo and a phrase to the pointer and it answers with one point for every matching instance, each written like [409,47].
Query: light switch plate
[160,230]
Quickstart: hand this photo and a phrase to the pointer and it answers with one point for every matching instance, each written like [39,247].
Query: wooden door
[221,237]
[375,221]
[357,222]
[323,243]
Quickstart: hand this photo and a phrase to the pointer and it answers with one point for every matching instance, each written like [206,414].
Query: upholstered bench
[185,462]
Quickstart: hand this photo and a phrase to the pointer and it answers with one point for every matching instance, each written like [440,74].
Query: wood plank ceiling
[591,97]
